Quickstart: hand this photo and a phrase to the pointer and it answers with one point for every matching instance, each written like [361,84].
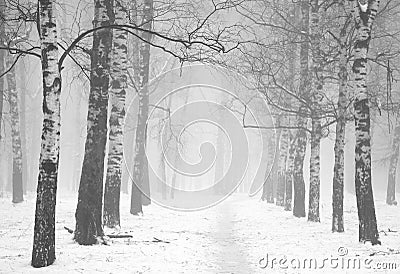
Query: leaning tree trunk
[118,89]
[17,184]
[88,211]
[43,253]
[316,98]
[301,135]
[338,169]
[283,152]
[365,200]
[140,176]
[391,187]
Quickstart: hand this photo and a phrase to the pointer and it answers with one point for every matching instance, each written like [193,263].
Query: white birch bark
[283,152]
[394,159]
[338,170]
[140,175]
[44,232]
[117,95]
[316,98]
[17,184]
[301,135]
[365,201]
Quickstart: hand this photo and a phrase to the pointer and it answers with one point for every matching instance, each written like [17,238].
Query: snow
[232,237]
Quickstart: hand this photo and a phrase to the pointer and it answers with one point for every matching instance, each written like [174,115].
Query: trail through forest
[231,257]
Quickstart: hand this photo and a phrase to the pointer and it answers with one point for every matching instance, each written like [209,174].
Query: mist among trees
[206,134]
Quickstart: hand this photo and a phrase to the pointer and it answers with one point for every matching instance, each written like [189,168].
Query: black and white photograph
[199,136]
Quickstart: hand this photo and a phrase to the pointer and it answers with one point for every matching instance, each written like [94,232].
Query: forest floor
[240,235]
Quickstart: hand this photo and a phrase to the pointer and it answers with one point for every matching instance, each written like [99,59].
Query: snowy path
[231,257]
[230,238]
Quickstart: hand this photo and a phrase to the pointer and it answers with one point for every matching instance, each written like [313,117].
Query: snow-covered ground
[237,236]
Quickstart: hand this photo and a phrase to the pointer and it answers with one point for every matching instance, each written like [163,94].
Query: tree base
[270,200]
[373,242]
[314,219]
[17,201]
[391,203]
[39,263]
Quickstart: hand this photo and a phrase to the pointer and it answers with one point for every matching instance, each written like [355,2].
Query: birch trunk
[163,175]
[144,69]
[43,253]
[24,149]
[140,171]
[173,179]
[89,208]
[112,189]
[298,177]
[338,169]
[268,186]
[289,173]
[391,187]
[283,151]
[365,200]
[316,98]
[17,184]
[219,165]
[164,146]
[129,134]
[176,144]
[301,135]
[291,145]
[2,60]
[219,187]
[77,150]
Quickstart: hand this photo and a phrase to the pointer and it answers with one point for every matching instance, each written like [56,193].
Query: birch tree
[117,95]
[364,15]
[43,253]
[394,159]
[289,173]
[301,135]
[2,57]
[17,184]
[291,138]
[140,176]
[283,151]
[268,186]
[23,126]
[219,163]
[316,99]
[338,169]
[90,198]
[129,134]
